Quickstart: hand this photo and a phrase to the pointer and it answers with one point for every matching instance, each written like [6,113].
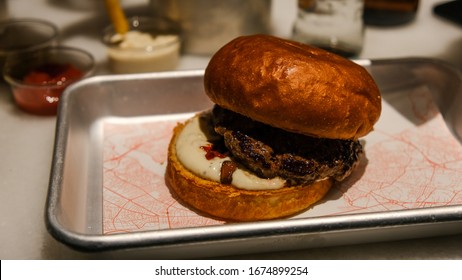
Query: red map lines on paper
[134,193]
[405,175]
[418,165]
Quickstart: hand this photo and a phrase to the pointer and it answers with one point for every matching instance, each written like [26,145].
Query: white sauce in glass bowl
[137,52]
[191,154]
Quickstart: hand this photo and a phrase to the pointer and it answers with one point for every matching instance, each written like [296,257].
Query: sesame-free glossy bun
[294,87]
[230,203]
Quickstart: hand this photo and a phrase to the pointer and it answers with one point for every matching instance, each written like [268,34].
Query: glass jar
[333,25]
[389,12]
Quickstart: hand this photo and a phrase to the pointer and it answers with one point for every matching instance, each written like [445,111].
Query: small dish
[23,35]
[151,45]
[38,78]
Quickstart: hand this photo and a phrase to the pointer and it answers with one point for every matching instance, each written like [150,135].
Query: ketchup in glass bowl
[38,78]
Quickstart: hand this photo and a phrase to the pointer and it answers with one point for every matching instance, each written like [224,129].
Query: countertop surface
[26,141]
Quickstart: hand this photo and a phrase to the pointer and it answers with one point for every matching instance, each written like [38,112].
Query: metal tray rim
[239,231]
[227,232]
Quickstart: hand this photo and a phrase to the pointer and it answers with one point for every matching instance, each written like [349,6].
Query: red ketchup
[43,87]
[212,152]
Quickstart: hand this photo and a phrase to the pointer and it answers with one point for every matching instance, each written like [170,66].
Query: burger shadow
[402,96]
[418,88]
[339,189]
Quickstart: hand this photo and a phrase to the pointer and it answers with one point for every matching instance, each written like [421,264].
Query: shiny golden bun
[229,203]
[294,87]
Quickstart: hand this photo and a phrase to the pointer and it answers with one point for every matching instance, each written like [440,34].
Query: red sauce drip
[44,101]
[211,152]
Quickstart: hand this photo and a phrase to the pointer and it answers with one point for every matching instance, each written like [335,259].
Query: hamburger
[283,129]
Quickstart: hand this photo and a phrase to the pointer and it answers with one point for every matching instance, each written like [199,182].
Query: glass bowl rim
[13,81]
[33,22]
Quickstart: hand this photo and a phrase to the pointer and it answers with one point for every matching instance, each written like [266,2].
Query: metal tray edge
[447,215]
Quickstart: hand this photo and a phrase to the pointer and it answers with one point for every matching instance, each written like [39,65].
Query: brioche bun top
[294,87]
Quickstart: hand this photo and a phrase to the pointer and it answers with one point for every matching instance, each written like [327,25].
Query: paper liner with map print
[412,161]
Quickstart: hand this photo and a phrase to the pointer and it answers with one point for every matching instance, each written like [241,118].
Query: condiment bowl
[151,45]
[38,78]
[24,35]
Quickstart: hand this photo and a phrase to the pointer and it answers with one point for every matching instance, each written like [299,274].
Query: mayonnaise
[137,52]
[192,156]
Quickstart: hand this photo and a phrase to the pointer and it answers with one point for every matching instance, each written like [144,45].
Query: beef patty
[271,152]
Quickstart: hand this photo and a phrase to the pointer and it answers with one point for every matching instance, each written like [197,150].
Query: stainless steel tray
[74,209]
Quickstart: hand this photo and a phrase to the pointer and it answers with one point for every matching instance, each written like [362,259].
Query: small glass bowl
[24,35]
[151,45]
[38,78]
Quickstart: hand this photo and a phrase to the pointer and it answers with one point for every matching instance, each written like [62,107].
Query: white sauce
[140,52]
[192,156]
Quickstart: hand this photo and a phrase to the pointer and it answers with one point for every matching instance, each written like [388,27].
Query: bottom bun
[230,203]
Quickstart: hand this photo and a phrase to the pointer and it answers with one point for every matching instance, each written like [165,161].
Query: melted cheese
[192,156]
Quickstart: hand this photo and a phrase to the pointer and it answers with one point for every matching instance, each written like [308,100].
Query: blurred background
[206,26]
